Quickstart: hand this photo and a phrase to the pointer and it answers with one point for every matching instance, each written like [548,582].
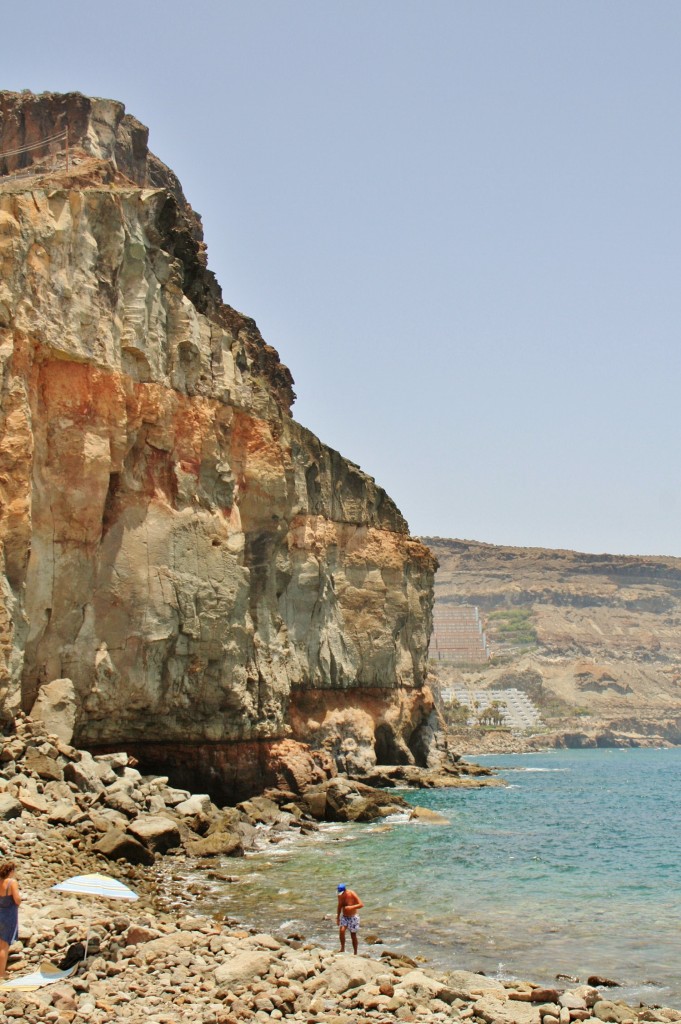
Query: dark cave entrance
[419,745]
[386,749]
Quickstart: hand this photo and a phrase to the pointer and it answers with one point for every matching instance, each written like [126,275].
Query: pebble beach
[157,960]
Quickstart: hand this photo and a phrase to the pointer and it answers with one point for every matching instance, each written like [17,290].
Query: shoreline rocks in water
[156,961]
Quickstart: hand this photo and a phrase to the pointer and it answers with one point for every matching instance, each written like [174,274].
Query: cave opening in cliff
[386,748]
[419,746]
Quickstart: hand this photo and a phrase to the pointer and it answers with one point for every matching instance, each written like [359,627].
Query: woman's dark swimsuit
[9,919]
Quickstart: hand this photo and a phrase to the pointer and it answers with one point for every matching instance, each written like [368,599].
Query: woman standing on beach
[9,911]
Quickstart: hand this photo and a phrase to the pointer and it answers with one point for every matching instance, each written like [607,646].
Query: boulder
[294,766]
[65,812]
[612,1013]
[225,844]
[172,797]
[429,817]
[155,832]
[467,984]
[351,801]
[588,993]
[42,765]
[117,845]
[119,796]
[545,995]
[84,774]
[422,987]
[347,971]
[116,761]
[137,934]
[9,807]
[263,810]
[200,803]
[242,967]
[55,707]
[572,1000]
[33,802]
[495,1010]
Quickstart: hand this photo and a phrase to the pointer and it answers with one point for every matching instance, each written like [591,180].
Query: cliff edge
[213,579]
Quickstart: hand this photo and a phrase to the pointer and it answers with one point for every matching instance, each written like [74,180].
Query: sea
[572,869]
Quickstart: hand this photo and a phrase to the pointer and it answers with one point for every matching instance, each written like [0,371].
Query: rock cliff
[597,637]
[212,578]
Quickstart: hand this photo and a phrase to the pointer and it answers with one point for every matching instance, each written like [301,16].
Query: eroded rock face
[173,542]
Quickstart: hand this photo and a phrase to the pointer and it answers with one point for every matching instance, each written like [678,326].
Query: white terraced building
[516,708]
[458,635]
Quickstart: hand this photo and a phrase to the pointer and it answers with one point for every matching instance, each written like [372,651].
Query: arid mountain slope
[602,631]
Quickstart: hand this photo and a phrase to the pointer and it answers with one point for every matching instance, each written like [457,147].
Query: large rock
[346,972]
[242,967]
[199,803]
[425,987]
[85,774]
[611,1012]
[495,1010]
[157,833]
[467,984]
[9,807]
[263,810]
[55,707]
[43,765]
[64,812]
[33,801]
[340,799]
[217,844]
[117,845]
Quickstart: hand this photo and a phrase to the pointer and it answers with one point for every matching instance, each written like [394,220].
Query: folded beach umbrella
[96,885]
[46,974]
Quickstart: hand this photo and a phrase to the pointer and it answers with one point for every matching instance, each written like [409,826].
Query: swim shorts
[351,923]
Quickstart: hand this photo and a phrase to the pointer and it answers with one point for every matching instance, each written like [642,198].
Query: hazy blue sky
[458,222]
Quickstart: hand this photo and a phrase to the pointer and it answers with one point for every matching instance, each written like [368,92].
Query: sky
[458,221]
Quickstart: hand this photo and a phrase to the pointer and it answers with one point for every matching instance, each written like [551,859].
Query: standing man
[347,917]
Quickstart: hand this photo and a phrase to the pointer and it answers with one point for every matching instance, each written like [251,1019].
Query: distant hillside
[597,637]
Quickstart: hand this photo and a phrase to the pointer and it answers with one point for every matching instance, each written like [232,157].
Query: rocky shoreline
[157,961]
[476,741]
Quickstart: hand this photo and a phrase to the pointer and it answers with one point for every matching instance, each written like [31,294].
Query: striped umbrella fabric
[96,885]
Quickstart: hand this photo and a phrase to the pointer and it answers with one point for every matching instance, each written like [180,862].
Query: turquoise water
[573,868]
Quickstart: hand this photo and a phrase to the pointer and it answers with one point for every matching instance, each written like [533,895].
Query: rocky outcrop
[199,565]
[593,639]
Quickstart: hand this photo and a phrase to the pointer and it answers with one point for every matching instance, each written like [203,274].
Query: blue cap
[341,888]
